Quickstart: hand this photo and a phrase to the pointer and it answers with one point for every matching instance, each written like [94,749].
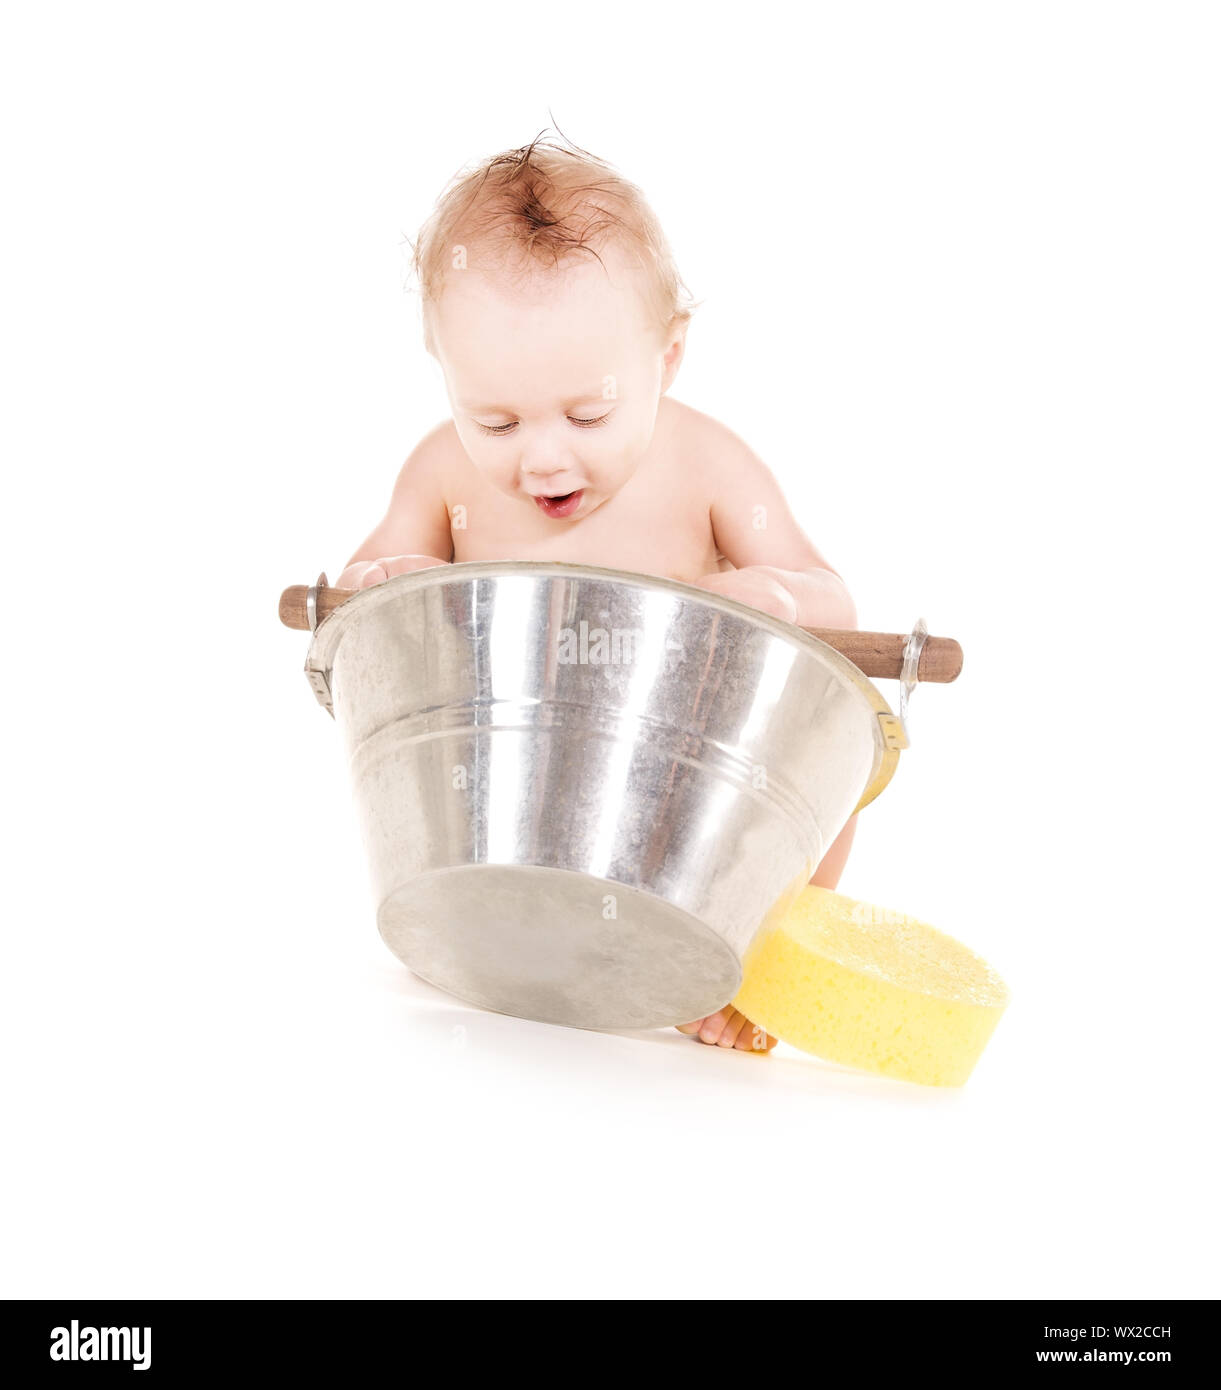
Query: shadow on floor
[649,1056]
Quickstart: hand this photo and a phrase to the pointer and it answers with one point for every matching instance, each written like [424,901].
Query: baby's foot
[728,1028]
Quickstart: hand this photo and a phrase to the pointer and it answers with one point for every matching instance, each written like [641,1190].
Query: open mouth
[563,505]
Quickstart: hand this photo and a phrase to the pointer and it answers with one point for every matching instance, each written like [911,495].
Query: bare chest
[639,529]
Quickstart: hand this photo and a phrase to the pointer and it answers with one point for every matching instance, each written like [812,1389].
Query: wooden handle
[292,604]
[878,654]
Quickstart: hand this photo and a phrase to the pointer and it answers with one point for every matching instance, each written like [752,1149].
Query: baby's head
[552,303]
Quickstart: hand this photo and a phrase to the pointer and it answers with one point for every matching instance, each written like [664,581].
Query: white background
[959,273]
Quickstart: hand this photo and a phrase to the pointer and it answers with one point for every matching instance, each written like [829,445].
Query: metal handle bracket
[317,678]
[909,676]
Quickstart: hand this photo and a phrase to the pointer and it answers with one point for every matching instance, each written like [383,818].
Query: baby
[552,303]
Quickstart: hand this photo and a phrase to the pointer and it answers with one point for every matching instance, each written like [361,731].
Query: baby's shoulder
[440,451]
[710,445]
[437,464]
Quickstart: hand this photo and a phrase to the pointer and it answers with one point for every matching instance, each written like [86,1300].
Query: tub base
[559,946]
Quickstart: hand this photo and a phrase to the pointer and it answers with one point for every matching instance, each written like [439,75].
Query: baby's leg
[831,865]
[727,1027]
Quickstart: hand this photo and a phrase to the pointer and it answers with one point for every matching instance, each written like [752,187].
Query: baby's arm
[414,533]
[777,566]
[780,571]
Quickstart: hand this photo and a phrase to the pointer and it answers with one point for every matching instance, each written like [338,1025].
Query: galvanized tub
[583,790]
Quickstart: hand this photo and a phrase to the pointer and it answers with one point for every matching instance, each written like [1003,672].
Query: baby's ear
[673,341]
[676,332]
[672,353]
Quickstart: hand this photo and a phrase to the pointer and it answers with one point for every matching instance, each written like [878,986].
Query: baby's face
[554,385]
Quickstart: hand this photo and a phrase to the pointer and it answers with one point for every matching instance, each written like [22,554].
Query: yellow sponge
[871,988]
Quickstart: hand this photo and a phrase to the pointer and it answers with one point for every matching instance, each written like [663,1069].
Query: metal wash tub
[583,790]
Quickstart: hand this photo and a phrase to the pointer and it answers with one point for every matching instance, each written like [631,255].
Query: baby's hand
[362,574]
[754,586]
[728,1028]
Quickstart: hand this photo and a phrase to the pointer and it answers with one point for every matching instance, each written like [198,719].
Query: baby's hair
[539,206]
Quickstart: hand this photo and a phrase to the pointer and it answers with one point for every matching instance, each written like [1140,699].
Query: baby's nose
[542,468]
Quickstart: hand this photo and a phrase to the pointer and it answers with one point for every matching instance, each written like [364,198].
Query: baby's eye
[588,424]
[497,429]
